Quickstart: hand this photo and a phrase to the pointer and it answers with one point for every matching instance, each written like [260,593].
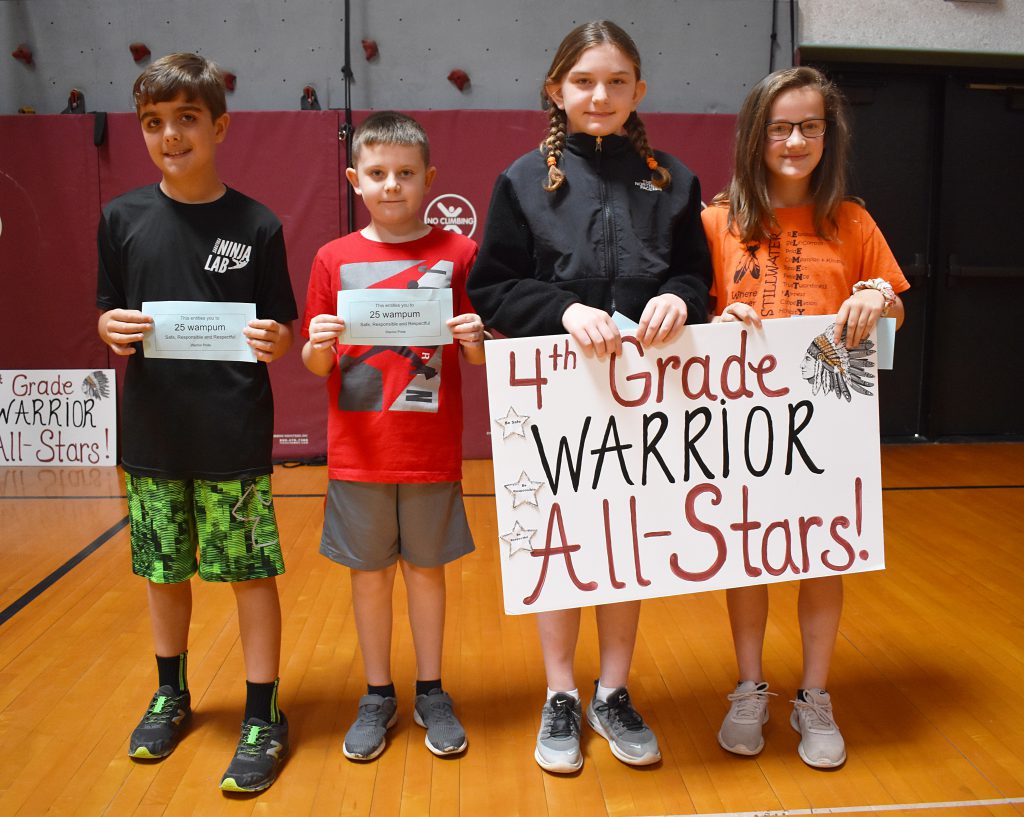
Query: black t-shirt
[194,418]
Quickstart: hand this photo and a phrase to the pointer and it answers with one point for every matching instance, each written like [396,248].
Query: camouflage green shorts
[232,524]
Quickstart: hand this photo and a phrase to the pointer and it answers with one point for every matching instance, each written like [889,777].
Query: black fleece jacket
[607,238]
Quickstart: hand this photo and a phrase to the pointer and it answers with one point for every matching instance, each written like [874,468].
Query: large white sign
[730,457]
[58,417]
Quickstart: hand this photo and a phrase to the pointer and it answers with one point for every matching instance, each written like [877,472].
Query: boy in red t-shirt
[394,428]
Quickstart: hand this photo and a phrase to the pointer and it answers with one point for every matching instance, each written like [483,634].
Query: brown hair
[750,211]
[587,35]
[391,128]
[182,73]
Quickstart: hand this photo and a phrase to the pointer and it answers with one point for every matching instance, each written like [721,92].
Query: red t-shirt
[796,271]
[394,412]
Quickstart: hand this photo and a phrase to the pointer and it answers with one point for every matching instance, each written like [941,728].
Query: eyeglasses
[810,128]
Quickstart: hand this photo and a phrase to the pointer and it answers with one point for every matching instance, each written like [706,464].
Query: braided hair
[587,35]
[553,146]
[637,134]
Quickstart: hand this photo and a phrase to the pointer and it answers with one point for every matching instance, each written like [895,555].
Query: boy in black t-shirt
[196,433]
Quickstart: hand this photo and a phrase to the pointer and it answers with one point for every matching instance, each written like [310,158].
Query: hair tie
[652,163]
[552,161]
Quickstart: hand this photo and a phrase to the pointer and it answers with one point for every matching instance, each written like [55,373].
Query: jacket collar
[585,145]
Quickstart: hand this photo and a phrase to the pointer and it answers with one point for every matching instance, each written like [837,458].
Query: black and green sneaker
[260,752]
[160,728]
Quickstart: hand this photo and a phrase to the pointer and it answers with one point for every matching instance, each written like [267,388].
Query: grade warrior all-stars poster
[732,456]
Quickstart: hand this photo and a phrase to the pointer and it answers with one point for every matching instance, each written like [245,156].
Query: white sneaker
[741,728]
[821,742]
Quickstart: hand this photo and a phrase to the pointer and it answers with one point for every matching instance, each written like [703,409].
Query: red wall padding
[53,182]
[49,207]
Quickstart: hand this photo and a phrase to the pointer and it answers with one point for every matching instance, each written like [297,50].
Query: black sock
[425,687]
[172,672]
[261,701]
[387,691]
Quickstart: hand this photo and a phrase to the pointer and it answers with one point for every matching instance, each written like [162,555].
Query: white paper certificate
[198,330]
[395,317]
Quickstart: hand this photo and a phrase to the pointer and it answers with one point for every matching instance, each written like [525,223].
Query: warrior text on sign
[730,457]
[57,417]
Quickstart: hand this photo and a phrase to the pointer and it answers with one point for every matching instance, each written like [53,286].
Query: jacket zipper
[606,211]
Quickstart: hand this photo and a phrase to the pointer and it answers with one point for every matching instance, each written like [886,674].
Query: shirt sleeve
[460,298]
[274,297]
[321,296]
[110,291]
[690,275]
[502,284]
[878,260]
[714,219]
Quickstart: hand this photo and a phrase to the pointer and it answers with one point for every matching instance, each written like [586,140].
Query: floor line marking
[798,812]
[26,598]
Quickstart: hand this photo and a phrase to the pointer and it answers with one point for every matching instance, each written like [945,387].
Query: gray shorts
[369,525]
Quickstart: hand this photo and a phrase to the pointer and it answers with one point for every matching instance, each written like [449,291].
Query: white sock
[602,694]
[553,692]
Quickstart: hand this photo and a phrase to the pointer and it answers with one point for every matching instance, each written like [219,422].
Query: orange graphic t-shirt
[796,271]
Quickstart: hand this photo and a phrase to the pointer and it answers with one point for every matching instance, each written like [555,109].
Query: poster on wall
[729,457]
[58,417]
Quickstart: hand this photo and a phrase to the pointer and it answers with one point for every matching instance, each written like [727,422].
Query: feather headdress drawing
[834,369]
[96,385]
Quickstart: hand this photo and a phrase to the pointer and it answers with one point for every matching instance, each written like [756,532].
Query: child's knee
[432,574]
[383,577]
[264,585]
[170,590]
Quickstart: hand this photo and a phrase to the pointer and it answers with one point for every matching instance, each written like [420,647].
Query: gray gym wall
[700,56]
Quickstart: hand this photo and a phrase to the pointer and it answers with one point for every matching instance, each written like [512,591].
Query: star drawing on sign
[524,491]
[512,424]
[519,538]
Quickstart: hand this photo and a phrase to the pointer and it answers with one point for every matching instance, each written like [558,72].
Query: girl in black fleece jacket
[593,223]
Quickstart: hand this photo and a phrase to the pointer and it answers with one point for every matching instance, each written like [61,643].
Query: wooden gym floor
[928,675]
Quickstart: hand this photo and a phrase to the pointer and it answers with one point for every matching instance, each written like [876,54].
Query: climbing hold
[76,102]
[459,78]
[23,54]
[309,101]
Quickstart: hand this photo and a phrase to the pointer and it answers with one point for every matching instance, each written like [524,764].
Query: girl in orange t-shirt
[785,240]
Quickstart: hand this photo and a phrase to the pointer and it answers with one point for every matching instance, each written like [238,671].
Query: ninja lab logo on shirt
[452,213]
[227,255]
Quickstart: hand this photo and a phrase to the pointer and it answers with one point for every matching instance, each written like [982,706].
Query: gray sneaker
[821,742]
[160,728]
[741,729]
[445,735]
[558,741]
[630,739]
[365,738]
